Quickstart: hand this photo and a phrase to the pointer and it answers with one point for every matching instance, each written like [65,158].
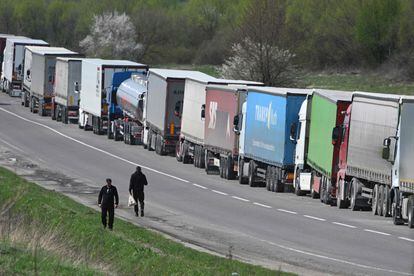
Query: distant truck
[3,39]
[190,147]
[385,182]
[96,82]
[13,73]
[65,102]
[327,113]
[126,107]
[39,77]
[164,107]
[269,122]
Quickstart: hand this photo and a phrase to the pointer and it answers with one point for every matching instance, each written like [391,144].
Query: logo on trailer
[265,114]
[213,115]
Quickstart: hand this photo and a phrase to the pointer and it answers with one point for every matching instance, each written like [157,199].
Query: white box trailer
[14,62]
[191,144]
[39,76]
[65,103]
[164,105]
[96,82]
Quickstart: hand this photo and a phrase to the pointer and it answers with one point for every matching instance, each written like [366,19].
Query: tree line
[318,34]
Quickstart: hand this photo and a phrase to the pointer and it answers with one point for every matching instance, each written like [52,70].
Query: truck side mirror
[336,134]
[236,120]
[293,132]
[203,111]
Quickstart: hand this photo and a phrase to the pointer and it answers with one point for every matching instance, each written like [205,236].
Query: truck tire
[410,212]
[252,173]
[229,169]
[380,199]
[374,203]
[242,179]
[386,202]
[342,204]
[279,185]
[396,210]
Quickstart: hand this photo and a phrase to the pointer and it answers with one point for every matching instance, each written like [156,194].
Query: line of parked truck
[349,149]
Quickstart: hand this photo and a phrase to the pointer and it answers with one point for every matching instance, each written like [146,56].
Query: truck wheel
[242,179]
[380,199]
[279,185]
[342,204]
[410,212]
[177,152]
[374,203]
[202,158]
[396,211]
[386,202]
[252,173]
[229,168]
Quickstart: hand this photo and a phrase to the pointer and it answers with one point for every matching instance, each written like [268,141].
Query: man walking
[136,189]
[108,200]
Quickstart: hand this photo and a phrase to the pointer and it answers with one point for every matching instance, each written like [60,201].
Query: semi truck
[39,77]
[269,122]
[327,113]
[65,101]
[96,82]
[221,144]
[190,147]
[126,107]
[14,63]
[164,105]
[302,173]
[376,152]
[3,39]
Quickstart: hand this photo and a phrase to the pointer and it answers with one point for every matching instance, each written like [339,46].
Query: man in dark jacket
[108,200]
[136,189]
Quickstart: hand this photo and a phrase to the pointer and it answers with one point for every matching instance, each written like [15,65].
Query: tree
[249,61]
[112,35]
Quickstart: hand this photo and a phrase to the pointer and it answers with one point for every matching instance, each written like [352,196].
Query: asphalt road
[295,233]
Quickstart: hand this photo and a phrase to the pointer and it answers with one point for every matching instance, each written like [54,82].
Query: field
[43,232]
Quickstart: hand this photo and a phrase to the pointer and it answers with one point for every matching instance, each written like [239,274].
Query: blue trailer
[268,127]
[125,106]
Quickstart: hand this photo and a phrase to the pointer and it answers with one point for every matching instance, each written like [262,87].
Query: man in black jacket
[136,189]
[108,200]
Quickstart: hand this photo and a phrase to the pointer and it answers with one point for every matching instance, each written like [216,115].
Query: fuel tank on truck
[130,95]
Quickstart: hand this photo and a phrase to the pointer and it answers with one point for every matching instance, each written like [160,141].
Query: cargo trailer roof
[281,90]
[335,95]
[182,74]
[11,35]
[231,88]
[69,58]
[227,81]
[111,62]
[26,40]
[45,51]
[379,96]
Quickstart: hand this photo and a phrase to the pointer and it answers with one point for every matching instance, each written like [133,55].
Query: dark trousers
[139,198]
[111,211]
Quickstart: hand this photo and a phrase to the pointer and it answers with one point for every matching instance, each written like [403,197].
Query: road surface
[277,230]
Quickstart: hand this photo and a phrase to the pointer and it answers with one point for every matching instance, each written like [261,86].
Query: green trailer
[327,113]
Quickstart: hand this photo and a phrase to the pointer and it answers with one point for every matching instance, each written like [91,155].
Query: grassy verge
[369,82]
[66,230]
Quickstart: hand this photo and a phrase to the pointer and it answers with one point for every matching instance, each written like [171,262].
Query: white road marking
[343,224]
[377,232]
[95,148]
[315,218]
[262,205]
[202,187]
[406,239]
[218,192]
[12,146]
[240,198]
[287,211]
[336,260]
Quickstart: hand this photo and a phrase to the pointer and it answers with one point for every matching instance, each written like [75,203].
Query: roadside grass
[65,230]
[364,81]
